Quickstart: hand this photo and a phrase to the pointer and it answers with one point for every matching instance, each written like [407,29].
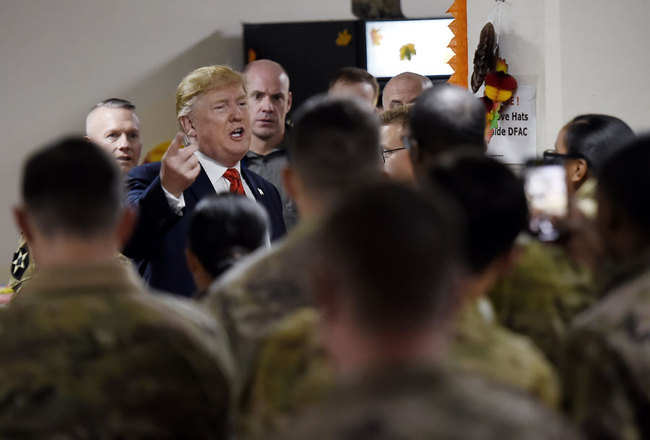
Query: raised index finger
[175,145]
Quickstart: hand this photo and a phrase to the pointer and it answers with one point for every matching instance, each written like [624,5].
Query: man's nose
[123,141]
[237,113]
[266,105]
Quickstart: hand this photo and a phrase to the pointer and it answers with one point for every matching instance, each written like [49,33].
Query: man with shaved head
[269,100]
[404,89]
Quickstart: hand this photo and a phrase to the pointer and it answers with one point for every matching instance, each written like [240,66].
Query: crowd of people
[356,272]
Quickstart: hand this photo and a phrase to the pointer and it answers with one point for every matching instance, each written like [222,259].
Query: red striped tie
[232,176]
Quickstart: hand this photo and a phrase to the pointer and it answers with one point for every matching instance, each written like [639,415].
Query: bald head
[445,118]
[404,89]
[269,102]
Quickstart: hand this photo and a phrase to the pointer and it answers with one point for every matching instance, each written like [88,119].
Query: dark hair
[491,200]
[447,116]
[596,137]
[223,229]
[114,103]
[394,250]
[356,75]
[334,145]
[625,179]
[72,187]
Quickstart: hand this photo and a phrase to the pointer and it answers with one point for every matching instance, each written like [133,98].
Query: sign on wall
[515,139]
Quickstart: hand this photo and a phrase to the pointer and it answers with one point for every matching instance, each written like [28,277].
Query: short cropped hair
[223,229]
[356,75]
[203,80]
[624,178]
[491,201]
[334,145]
[394,252]
[114,103]
[595,137]
[396,115]
[447,116]
[72,187]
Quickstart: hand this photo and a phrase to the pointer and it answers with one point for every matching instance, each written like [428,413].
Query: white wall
[59,57]
[584,56]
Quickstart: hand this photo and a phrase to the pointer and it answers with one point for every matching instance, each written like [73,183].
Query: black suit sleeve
[155,217]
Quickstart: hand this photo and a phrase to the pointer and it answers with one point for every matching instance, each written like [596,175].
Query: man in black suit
[212,110]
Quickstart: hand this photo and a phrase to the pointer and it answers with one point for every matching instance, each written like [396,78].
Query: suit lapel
[200,188]
[252,184]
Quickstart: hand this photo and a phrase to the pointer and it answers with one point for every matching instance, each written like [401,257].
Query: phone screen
[546,192]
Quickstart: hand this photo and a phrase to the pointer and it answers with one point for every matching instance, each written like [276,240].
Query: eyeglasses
[385,154]
[552,157]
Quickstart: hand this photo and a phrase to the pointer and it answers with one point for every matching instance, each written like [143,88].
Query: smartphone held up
[548,200]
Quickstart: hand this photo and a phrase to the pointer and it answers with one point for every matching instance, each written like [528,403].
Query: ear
[188,126]
[289,101]
[87,139]
[125,227]
[22,222]
[578,170]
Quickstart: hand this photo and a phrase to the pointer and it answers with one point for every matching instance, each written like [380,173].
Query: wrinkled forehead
[105,118]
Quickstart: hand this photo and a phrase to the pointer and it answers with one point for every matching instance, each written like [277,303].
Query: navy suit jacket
[158,242]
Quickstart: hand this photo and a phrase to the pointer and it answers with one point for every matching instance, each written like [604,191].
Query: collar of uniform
[58,279]
[214,169]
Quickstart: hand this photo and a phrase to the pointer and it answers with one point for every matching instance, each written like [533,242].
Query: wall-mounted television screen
[420,46]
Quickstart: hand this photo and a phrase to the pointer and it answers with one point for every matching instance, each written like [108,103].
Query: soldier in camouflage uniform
[552,283]
[607,356]
[334,148]
[543,292]
[382,323]
[86,352]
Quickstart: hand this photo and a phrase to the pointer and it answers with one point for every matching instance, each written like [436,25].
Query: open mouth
[237,133]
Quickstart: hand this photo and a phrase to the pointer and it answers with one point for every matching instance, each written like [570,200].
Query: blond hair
[202,80]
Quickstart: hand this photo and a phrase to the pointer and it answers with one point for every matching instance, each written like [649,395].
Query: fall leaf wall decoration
[458,43]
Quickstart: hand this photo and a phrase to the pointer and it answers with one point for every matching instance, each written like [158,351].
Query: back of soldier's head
[445,117]
[334,146]
[491,201]
[625,181]
[223,229]
[393,252]
[72,187]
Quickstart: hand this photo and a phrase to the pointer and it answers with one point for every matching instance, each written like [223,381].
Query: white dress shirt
[215,172]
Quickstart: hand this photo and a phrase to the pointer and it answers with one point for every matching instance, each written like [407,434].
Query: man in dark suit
[212,110]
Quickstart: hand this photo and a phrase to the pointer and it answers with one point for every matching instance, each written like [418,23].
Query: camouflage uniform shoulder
[428,405]
[88,351]
[489,349]
[542,294]
[290,372]
[606,362]
[262,290]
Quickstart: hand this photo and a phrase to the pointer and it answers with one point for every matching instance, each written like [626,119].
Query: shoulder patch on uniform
[20,262]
